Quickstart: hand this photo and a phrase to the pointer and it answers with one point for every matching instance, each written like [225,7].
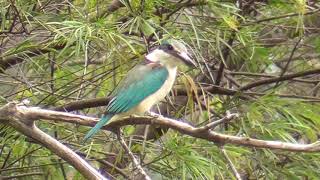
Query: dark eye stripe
[167,47]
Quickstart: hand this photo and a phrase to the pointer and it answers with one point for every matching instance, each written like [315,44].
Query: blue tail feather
[104,119]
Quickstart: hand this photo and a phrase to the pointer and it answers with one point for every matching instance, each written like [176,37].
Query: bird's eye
[170,47]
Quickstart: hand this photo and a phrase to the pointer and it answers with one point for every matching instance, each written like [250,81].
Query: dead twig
[128,151]
[233,168]
[214,124]
[279,79]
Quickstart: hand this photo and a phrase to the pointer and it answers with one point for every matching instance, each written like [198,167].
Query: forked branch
[22,121]
[21,112]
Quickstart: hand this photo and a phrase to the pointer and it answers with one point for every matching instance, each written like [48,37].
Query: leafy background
[55,52]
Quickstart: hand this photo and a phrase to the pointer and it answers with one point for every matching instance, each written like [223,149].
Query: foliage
[73,50]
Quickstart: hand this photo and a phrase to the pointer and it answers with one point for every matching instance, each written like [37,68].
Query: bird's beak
[187,60]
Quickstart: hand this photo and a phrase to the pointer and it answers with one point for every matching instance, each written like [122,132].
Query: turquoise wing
[140,82]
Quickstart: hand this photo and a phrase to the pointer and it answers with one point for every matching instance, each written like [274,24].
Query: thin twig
[278,79]
[107,164]
[271,76]
[32,52]
[6,159]
[279,17]
[233,168]
[23,156]
[134,160]
[225,55]
[289,60]
[19,176]
[213,124]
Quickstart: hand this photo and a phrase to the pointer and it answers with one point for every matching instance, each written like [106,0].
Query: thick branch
[21,120]
[217,137]
[83,104]
[97,102]
[36,113]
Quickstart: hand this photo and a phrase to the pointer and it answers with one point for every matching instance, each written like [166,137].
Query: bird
[145,84]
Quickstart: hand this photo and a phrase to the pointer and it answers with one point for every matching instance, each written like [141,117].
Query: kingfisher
[146,84]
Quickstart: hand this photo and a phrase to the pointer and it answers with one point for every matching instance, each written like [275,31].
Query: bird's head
[171,53]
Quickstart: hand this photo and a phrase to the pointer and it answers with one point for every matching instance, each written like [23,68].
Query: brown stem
[134,160]
[289,60]
[16,59]
[213,124]
[17,112]
[225,55]
[279,79]
[22,175]
[23,123]
[83,104]
[233,168]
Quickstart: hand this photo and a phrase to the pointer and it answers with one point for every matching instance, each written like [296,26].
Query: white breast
[146,104]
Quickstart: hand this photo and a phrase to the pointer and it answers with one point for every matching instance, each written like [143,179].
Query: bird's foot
[156,115]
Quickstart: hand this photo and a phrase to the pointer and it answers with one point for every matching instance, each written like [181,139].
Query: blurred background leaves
[56,52]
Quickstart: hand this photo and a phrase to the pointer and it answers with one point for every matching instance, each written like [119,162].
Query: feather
[103,120]
[140,83]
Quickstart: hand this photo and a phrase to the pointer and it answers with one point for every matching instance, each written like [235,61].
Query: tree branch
[289,60]
[233,168]
[213,124]
[5,63]
[184,128]
[83,104]
[22,120]
[134,160]
[97,102]
[279,17]
[225,55]
[19,176]
[279,79]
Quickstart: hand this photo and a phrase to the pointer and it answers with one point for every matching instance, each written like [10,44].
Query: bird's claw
[156,115]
